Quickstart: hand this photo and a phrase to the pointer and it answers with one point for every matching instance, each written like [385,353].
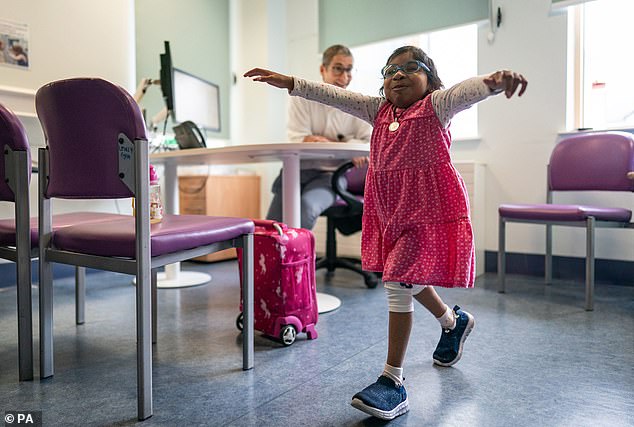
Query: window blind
[558,4]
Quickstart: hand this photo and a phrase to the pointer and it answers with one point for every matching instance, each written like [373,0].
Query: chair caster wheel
[371,281]
[240,322]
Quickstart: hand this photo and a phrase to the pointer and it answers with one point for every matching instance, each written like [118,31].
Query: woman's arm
[301,124]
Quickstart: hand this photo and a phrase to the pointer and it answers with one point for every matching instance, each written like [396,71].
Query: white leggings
[400,296]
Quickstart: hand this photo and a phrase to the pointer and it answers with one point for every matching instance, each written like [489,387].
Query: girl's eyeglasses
[410,67]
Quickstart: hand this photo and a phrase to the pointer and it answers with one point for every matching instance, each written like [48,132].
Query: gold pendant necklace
[393,127]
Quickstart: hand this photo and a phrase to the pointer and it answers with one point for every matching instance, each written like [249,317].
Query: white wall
[258,111]
[67,38]
[73,38]
[517,135]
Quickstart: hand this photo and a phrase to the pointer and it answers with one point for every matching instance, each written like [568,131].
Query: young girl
[416,226]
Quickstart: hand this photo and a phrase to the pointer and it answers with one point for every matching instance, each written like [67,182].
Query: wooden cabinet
[220,195]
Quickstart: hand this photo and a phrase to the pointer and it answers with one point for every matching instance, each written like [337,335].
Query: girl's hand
[271,77]
[506,81]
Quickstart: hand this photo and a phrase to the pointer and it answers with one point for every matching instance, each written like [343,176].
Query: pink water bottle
[156,206]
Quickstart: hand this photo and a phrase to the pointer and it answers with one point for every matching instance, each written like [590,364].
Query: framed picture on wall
[14,44]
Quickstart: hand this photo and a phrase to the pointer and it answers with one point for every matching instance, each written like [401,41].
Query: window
[454,51]
[600,67]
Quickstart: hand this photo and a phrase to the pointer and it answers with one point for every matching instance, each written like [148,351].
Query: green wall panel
[198,32]
[358,22]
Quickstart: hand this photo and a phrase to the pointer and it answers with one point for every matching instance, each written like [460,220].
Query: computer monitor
[196,99]
[167,85]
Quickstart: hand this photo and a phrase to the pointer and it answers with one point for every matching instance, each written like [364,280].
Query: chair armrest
[355,205]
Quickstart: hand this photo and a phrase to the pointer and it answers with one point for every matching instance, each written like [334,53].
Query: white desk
[288,153]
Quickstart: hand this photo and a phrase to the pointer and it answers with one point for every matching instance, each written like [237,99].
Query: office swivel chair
[345,216]
[96,147]
[602,161]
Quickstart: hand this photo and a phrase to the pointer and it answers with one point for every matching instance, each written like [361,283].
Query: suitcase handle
[279,226]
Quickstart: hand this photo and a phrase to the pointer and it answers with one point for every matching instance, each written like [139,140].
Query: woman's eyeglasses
[410,67]
[338,70]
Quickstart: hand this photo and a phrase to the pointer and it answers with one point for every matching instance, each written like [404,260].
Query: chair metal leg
[19,183]
[590,264]
[17,172]
[501,255]
[143,283]
[46,319]
[80,295]
[25,323]
[548,258]
[247,302]
[45,273]
[154,278]
[144,342]
[331,246]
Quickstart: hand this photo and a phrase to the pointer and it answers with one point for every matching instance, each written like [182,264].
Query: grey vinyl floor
[535,358]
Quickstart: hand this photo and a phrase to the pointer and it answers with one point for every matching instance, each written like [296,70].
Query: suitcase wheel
[240,322]
[288,334]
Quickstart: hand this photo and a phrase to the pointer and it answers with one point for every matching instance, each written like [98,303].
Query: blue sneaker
[449,348]
[383,399]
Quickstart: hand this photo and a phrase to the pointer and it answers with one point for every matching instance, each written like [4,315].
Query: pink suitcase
[284,281]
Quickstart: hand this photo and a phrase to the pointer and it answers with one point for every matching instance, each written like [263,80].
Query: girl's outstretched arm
[361,106]
[506,81]
[271,77]
[447,103]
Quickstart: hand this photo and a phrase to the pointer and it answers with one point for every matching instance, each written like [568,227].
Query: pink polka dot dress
[416,225]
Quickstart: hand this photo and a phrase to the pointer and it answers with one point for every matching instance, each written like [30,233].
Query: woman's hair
[332,51]
[433,80]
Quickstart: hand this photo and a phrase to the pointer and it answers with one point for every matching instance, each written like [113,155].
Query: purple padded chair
[8,237]
[586,162]
[97,148]
[15,175]
[345,216]
[18,235]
